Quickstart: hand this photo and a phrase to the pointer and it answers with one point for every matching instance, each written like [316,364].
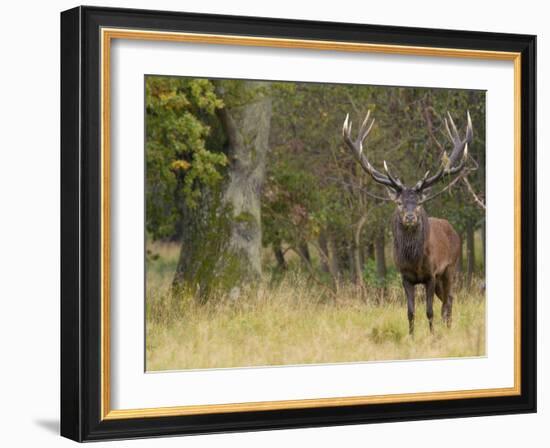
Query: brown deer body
[428,255]
[426,250]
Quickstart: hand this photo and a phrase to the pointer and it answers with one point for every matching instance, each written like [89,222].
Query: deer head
[409,200]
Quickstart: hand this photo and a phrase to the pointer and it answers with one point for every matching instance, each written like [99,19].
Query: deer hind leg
[430,289]
[439,289]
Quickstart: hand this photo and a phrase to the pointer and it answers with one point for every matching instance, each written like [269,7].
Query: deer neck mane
[409,242]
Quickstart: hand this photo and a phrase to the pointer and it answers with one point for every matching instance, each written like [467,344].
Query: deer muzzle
[409,219]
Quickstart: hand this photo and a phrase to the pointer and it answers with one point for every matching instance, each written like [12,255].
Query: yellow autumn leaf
[182,165]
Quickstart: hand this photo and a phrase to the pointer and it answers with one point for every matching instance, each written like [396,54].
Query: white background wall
[29,228]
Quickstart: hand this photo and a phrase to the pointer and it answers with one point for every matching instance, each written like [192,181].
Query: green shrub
[371,278]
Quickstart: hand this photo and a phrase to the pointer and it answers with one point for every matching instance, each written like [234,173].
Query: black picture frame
[81,224]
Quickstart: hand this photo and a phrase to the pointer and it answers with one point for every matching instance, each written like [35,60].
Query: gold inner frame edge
[107,35]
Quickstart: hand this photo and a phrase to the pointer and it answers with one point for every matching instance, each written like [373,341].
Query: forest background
[267,244]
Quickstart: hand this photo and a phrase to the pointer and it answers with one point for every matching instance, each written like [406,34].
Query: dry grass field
[293,321]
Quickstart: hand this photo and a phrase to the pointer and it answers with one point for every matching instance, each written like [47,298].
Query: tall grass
[295,321]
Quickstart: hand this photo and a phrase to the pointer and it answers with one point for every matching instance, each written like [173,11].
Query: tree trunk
[351,261]
[460,263]
[380,254]
[358,263]
[358,267]
[304,251]
[341,246]
[221,249]
[333,264]
[280,257]
[470,254]
[483,244]
[324,257]
[369,251]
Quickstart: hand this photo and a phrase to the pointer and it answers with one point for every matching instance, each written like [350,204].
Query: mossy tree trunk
[221,246]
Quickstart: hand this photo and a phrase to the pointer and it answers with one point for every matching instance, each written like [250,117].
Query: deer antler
[356,147]
[459,154]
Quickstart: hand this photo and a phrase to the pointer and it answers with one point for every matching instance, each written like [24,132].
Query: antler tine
[469,128]
[458,168]
[364,130]
[365,121]
[455,130]
[420,183]
[448,129]
[395,180]
[367,132]
[345,126]
[458,153]
[456,161]
[356,147]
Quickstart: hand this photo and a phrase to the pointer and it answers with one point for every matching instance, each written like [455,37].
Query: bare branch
[477,200]
[448,187]
[429,122]
[312,273]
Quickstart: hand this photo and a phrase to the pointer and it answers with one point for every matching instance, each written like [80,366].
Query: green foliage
[371,278]
[409,134]
[289,198]
[388,332]
[179,114]
[314,189]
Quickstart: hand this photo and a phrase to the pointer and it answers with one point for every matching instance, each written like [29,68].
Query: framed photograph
[276,224]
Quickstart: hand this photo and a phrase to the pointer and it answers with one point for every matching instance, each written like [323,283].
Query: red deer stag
[426,250]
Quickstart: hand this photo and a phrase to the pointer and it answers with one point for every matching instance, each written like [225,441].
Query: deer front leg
[409,291]
[430,289]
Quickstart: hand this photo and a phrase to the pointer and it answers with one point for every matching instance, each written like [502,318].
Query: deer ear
[392,193]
